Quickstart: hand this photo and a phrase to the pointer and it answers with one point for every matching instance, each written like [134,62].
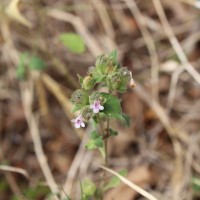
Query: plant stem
[106,141]
[101,125]
[105,135]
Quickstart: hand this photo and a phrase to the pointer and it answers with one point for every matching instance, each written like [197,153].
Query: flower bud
[113,81]
[87,113]
[105,64]
[88,83]
[79,98]
[125,73]
[96,96]
[125,79]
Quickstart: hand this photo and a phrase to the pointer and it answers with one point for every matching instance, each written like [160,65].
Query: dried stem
[27,96]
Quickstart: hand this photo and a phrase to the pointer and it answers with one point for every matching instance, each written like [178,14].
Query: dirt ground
[40,150]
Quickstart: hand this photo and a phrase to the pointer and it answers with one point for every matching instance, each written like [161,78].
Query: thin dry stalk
[141,20]
[11,181]
[76,164]
[14,169]
[57,91]
[160,34]
[131,184]
[41,95]
[27,97]
[171,129]
[105,18]
[172,89]
[174,42]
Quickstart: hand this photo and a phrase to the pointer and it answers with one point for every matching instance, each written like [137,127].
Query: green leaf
[112,107]
[113,55]
[114,182]
[94,143]
[80,78]
[73,42]
[76,108]
[32,62]
[112,132]
[21,72]
[99,78]
[21,67]
[123,86]
[126,119]
[88,188]
[196,183]
[36,63]
[99,142]
[94,135]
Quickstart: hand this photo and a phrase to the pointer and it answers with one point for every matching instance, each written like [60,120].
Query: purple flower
[96,106]
[78,122]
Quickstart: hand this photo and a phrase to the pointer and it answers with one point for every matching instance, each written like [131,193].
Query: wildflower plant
[100,107]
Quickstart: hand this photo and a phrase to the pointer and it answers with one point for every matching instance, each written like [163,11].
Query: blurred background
[44,44]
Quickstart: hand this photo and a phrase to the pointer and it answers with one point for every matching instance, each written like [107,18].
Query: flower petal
[101,107]
[95,110]
[83,124]
[77,125]
[92,106]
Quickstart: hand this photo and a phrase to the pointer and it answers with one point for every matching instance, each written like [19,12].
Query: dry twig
[72,173]
[176,46]
[27,98]
[14,169]
[131,184]
[141,20]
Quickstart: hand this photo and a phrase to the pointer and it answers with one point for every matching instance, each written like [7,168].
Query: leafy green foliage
[122,86]
[196,184]
[88,189]
[115,181]
[36,63]
[73,42]
[106,73]
[100,107]
[126,119]
[35,193]
[29,62]
[80,99]
[112,132]
[113,55]
[112,107]
[21,71]
[95,141]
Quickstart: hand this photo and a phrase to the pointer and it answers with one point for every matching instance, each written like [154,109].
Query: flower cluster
[86,114]
[108,73]
[78,122]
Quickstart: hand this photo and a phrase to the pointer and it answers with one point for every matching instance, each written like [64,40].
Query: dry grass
[157,40]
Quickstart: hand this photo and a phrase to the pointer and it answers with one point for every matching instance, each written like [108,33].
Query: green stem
[105,135]
[101,125]
[106,141]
